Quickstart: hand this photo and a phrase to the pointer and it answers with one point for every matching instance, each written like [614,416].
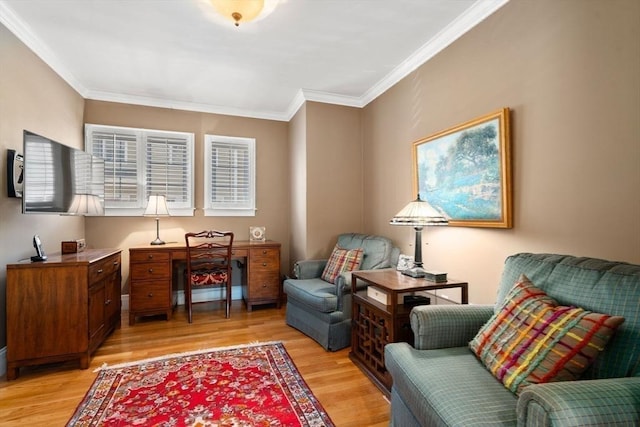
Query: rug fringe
[186,353]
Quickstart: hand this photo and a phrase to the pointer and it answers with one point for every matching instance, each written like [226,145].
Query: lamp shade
[418,213]
[86,204]
[157,206]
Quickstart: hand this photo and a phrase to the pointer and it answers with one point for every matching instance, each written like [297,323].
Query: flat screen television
[59,179]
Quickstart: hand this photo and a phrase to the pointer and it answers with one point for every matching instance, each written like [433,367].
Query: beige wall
[298,185]
[570,72]
[272,180]
[32,97]
[334,176]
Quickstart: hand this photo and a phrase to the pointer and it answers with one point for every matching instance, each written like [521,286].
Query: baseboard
[3,361]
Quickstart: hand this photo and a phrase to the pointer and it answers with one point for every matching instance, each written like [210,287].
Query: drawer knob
[150,256]
[151,270]
[99,271]
[150,295]
[116,263]
[264,252]
[264,286]
[107,302]
[264,264]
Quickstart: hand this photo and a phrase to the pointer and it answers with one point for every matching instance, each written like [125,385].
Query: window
[141,162]
[229,176]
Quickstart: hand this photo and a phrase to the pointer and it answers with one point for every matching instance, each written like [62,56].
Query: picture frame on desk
[257,234]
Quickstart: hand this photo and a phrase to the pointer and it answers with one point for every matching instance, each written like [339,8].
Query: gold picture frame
[465,172]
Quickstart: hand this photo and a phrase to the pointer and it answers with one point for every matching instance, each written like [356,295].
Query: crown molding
[480,10]
[185,105]
[24,33]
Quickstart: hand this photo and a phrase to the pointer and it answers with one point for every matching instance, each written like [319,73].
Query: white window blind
[229,176]
[141,162]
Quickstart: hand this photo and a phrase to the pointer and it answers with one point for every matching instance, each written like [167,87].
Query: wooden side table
[375,324]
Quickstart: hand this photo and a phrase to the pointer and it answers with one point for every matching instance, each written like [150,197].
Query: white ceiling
[180,54]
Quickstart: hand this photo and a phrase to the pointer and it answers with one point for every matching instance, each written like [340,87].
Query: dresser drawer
[150,270]
[148,256]
[103,268]
[150,295]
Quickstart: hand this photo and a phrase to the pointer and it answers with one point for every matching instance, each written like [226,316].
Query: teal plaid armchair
[440,382]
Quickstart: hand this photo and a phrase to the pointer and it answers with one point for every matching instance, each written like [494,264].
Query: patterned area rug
[252,385]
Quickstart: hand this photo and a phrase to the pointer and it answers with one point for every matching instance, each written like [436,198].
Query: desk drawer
[150,295]
[148,256]
[150,270]
[239,253]
[265,284]
[265,260]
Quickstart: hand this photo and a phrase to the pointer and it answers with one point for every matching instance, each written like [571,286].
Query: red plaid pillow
[341,260]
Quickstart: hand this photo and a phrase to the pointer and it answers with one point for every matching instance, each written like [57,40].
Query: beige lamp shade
[418,213]
[86,204]
[157,206]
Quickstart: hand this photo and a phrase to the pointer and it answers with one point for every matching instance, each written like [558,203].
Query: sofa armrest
[614,401]
[309,268]
[443,326]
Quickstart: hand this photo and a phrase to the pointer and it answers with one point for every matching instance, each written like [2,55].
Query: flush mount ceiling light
[244,10]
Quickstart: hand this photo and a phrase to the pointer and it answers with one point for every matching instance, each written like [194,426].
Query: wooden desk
[62,308]
[153,276]
[374,324]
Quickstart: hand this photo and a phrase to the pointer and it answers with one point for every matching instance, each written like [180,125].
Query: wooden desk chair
[208,264]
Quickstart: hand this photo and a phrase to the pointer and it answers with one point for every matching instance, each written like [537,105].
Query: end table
[375,324]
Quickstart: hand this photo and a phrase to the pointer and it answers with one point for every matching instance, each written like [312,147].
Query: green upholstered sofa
[322,310]
[439,381]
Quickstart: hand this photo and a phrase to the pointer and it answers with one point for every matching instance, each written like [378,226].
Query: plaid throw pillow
[532,339]
[341,260]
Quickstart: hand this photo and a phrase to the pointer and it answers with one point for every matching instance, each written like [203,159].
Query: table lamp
[417,214]
[86,204]
[157,207]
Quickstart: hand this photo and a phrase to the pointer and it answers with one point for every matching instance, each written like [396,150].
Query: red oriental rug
[253,385]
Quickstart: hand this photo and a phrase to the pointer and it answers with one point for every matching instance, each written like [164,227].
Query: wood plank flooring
[48,395]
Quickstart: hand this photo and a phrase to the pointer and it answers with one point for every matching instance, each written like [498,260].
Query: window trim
[209,209]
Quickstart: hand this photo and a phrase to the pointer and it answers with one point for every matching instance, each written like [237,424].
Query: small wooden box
[72,246]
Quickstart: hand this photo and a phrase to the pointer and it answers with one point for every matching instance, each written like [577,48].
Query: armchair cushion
[341,260]
[532,339]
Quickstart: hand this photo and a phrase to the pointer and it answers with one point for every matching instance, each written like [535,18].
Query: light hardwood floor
[48,395]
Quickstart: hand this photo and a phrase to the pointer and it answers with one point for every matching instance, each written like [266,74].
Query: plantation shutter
[168,169]
[119,149]
[230,176]
[141,162]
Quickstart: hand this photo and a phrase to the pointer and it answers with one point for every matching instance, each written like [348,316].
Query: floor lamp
[157,207]
[418,214]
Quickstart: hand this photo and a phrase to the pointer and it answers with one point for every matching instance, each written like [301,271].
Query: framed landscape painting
[465,172]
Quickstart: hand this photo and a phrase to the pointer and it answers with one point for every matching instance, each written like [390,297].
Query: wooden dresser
[61,309]
[154,276]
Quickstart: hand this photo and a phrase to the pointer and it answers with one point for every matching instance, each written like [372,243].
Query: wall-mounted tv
[59,179]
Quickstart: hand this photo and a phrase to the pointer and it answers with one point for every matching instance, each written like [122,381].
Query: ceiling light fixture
[244,10]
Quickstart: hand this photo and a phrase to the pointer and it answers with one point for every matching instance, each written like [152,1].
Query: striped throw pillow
[532,339]
[341,260]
